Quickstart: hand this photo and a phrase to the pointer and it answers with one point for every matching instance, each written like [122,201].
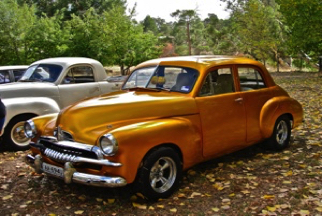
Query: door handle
[239,99]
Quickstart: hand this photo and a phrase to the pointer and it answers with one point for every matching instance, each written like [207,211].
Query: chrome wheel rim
[281,132]
[163,174]
[18,134]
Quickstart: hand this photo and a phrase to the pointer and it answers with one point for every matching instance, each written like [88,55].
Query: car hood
[24,89]
[89,119]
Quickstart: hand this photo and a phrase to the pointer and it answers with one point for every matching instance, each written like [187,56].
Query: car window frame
[260,71]
[233,73]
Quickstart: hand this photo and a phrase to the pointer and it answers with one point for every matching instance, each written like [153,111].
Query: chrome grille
[59,156]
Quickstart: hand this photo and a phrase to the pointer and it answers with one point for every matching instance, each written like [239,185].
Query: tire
[14,137]
[280,138]
[160,174]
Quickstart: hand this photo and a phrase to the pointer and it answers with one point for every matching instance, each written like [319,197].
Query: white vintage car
[46,87]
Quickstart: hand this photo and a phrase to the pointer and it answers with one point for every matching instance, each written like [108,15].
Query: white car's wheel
[14,137]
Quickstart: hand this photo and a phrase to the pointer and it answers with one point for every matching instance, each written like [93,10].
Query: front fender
[31,105]
[136,140]
[276,107]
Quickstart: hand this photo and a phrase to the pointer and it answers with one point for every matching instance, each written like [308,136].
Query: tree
[258,29]
[149,24]
[189,33]
[70,7]
[127,44]
[87,38]
[15,22]
[304,20]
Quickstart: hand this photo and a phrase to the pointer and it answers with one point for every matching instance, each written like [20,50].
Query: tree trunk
[188,35]
[277,62]
[122,70]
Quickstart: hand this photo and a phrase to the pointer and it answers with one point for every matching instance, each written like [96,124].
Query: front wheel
[14,136]
[280,138]
[160,173]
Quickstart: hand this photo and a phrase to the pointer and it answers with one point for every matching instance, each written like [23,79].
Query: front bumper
[69,172]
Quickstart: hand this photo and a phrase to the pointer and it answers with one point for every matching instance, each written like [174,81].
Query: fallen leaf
[268,197]
[271,209]
[225,207]
[215,209]
[110,201]
[174,210]
[139,206]
[307,212]
[195,194]
[7,197]
[79,212]
[151,208]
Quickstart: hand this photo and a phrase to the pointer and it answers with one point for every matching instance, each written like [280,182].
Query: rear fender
[277,107]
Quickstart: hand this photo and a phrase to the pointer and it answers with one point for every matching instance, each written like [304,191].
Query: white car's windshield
[42,73]
[179,79]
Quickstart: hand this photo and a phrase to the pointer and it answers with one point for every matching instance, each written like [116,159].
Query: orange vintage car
[171,114]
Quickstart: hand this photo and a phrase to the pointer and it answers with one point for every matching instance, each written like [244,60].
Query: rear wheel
[280,138]
[160,173]
[14,136]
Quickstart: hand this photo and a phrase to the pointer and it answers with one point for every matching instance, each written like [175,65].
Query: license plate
[53,170]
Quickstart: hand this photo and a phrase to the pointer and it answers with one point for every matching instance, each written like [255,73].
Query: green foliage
[86,36]
[46,38]
[15,22]
[304,19]
[78,8]
[150,24]
[259,30]
[127,44]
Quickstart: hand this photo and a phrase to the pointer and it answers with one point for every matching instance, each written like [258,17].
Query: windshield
[42,73]
[178,79]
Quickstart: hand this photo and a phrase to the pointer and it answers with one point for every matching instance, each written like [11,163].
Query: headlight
[108,144]
[30,129]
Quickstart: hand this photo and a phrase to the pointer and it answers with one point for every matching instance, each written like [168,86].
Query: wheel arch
[173,146]
[276,107]
[31,105]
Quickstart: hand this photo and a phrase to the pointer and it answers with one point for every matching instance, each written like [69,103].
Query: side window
[219,81]
[79,74]
[18,74]
[250,79]
[4,76]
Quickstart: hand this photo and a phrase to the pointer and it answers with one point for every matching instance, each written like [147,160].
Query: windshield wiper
[161,89]
[143,89]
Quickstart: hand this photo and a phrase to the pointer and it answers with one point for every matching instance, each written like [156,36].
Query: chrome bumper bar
[70,174]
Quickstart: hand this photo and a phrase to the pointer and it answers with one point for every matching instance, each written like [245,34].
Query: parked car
[11,73]
[46,87]
[171,114]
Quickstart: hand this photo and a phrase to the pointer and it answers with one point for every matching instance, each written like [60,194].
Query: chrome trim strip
[100,181]
[76,159]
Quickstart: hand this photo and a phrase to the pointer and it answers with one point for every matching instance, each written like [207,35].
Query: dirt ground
[249,182]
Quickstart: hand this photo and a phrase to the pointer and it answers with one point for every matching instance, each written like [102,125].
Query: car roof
[13,67]
[201,61]
[68,61]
